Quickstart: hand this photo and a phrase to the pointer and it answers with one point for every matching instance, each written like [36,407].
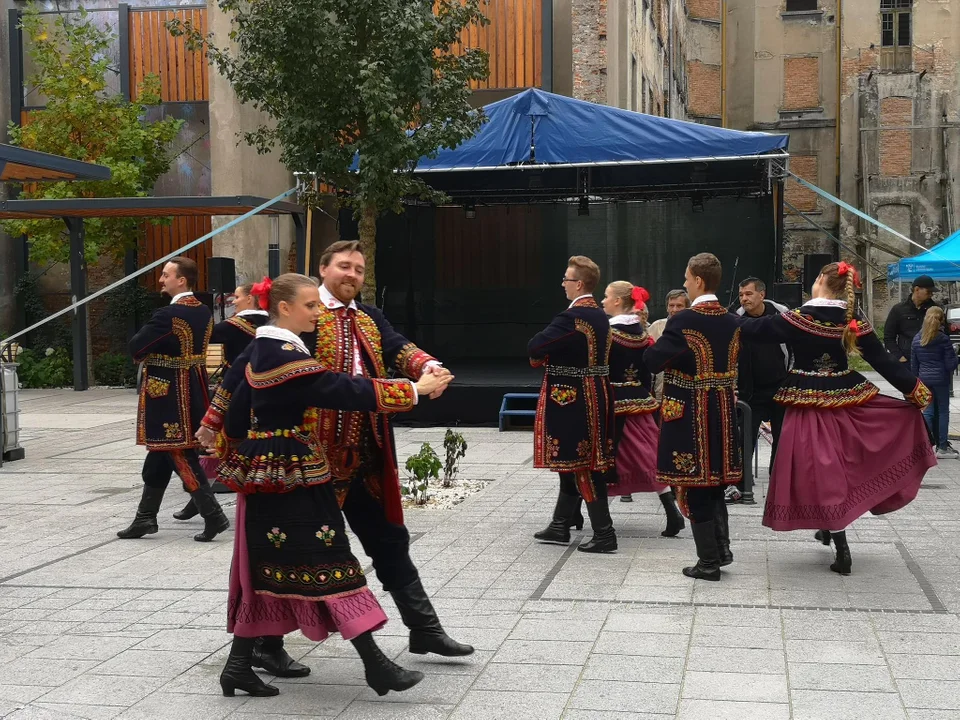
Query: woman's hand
[433,383]
[206,437]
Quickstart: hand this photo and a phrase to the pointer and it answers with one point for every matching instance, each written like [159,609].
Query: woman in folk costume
[845,449]
[234,334]
[292,564]
[636,408]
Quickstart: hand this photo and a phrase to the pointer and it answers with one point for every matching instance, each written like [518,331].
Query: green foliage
[423,467]
[115,370]
[383,78]
[129,300]
[456,448]
[49,369]
[84,121]
[53,334]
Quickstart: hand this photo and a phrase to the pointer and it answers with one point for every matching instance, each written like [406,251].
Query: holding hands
[434,381]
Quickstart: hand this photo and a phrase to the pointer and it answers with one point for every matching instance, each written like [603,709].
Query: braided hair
[841,279]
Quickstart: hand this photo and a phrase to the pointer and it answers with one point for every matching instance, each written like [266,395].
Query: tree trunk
[368,239]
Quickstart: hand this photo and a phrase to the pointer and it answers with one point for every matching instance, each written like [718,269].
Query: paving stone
[498,705]
[837,676]
[743,659]
[549,652]
[519,677]
[728,710]
[834,651]
[932,694]
[359,710]
[731,636]
[818,704]
[618,695]
[103,690]
[634,668]
[740,687]
[656,644]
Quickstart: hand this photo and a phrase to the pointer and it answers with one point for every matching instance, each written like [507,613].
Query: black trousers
[385,543]
[765,409]
[702,502]
[161,464]
[568,484]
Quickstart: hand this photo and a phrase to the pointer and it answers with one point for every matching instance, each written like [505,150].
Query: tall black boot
[239,675]
[604,538]
[722,520]
[558,531]
[383,675]
[708,565]
[844,563]
[675,521]
[426,633]
[576,519]
[268,653]
[189,511]
[145,522]
[214,521]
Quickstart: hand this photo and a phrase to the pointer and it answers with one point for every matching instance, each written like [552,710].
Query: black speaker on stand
[221,279]
[812,265]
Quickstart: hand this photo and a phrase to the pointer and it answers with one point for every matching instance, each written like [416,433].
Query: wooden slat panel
[514,42]
[182,72]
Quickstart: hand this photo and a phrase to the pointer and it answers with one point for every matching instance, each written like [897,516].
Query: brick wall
[703,86]
[896,146]
[589,19]
[806,166]
[704,9]
[801,83]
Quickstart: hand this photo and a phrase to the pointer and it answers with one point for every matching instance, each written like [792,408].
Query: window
[801,5]
[896,50]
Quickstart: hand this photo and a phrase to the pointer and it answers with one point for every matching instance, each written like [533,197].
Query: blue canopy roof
[556,129]
[941,262]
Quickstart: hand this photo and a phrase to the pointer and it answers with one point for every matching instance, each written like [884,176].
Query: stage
[474,397]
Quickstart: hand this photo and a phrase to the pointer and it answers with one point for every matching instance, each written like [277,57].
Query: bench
[215,362]
[517,405]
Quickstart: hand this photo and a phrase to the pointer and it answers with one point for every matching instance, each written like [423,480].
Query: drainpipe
[669,112]
[723,63]
[839,95]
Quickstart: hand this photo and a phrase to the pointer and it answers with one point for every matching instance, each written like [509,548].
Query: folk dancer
[699,449]
[234,334]
[292,565]
[637,430]
[845,449]
[173,398]
[575,421]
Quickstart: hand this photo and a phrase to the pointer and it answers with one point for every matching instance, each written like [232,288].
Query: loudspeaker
[789,294]
[812,265]
[221,275]
[205,297]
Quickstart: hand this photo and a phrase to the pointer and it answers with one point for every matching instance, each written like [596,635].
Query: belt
[590,371]
[177,363]
[707,381]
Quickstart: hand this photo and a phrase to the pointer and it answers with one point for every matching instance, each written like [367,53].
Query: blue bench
[517,405]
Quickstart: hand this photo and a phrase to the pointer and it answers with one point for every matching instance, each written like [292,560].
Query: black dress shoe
[426,633]
[604,540]
[423,642]
[238,675]
[703,571]
[189,511]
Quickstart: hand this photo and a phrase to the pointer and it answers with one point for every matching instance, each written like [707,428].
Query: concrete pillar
[8,265]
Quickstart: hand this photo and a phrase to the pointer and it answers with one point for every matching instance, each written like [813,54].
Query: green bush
[52,368]
[115,370]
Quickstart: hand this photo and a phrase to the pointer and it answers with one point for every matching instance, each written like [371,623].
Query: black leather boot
[844,563]
[626,498]
[576,519]
[708,565]
[823,536]
[383,675]
[564,516]
[722,520]
[675,521]
[426,633]
[239,675]
[214,521]
[145,522]
[604,538]
[189,511]
[268,654]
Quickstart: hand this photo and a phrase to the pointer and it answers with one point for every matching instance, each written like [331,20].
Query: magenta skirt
[252,614]
[832,466]
[210,465]
[637,456]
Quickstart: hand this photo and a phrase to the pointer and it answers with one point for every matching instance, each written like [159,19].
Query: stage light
[584,207]
[696,202]
[470,210]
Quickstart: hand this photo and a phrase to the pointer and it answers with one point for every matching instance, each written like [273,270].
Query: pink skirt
[637,456]
[832,466]
[210,465]
[252,614]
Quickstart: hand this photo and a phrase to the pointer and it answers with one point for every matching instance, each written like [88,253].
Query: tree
[83,120]
[387,81]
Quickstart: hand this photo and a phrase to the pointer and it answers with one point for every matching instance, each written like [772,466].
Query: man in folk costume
[699,449]
[173,398]
[575,413]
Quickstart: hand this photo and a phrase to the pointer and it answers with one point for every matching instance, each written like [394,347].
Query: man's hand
[206,437]
[903,359]
[439,371]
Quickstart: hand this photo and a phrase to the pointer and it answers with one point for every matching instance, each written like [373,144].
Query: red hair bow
[853,325]
[843,268]
[639,296]
[262,291]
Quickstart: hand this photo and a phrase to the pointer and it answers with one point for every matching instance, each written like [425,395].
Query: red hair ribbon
[262,291]
[843,268]
[639,296]
[853,325]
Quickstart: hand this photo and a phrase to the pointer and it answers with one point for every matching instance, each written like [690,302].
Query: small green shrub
[115,370]
[50,369]
[423,467]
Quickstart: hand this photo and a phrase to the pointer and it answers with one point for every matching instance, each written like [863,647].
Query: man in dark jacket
[906,318]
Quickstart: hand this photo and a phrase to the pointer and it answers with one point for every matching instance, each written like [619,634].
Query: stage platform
[474,397]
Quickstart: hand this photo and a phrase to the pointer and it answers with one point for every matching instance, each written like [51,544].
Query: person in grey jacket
[933,359]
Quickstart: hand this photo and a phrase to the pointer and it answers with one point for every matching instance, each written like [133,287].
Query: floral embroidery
[825,363]
[921,395]
[583,448]
[327,535]
[172,430]
[630,374]
[276,537]
[563,394]
[553,444]
[157,387]
[684,462]
[671,409]
[395,395]
[288,346]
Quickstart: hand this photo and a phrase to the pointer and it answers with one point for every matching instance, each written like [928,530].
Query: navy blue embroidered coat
[574,424]
[821,376]
[236,332]
[173,389]
[630,379]
[697,353]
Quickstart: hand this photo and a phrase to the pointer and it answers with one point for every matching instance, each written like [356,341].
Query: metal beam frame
[78,291]
[142,206]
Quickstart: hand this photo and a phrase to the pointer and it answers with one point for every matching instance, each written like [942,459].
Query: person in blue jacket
[932,359]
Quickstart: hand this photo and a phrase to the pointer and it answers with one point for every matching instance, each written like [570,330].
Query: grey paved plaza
[96,627]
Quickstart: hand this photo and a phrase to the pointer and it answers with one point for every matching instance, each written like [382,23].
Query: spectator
[906,318]
[933,359]
[677,300]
